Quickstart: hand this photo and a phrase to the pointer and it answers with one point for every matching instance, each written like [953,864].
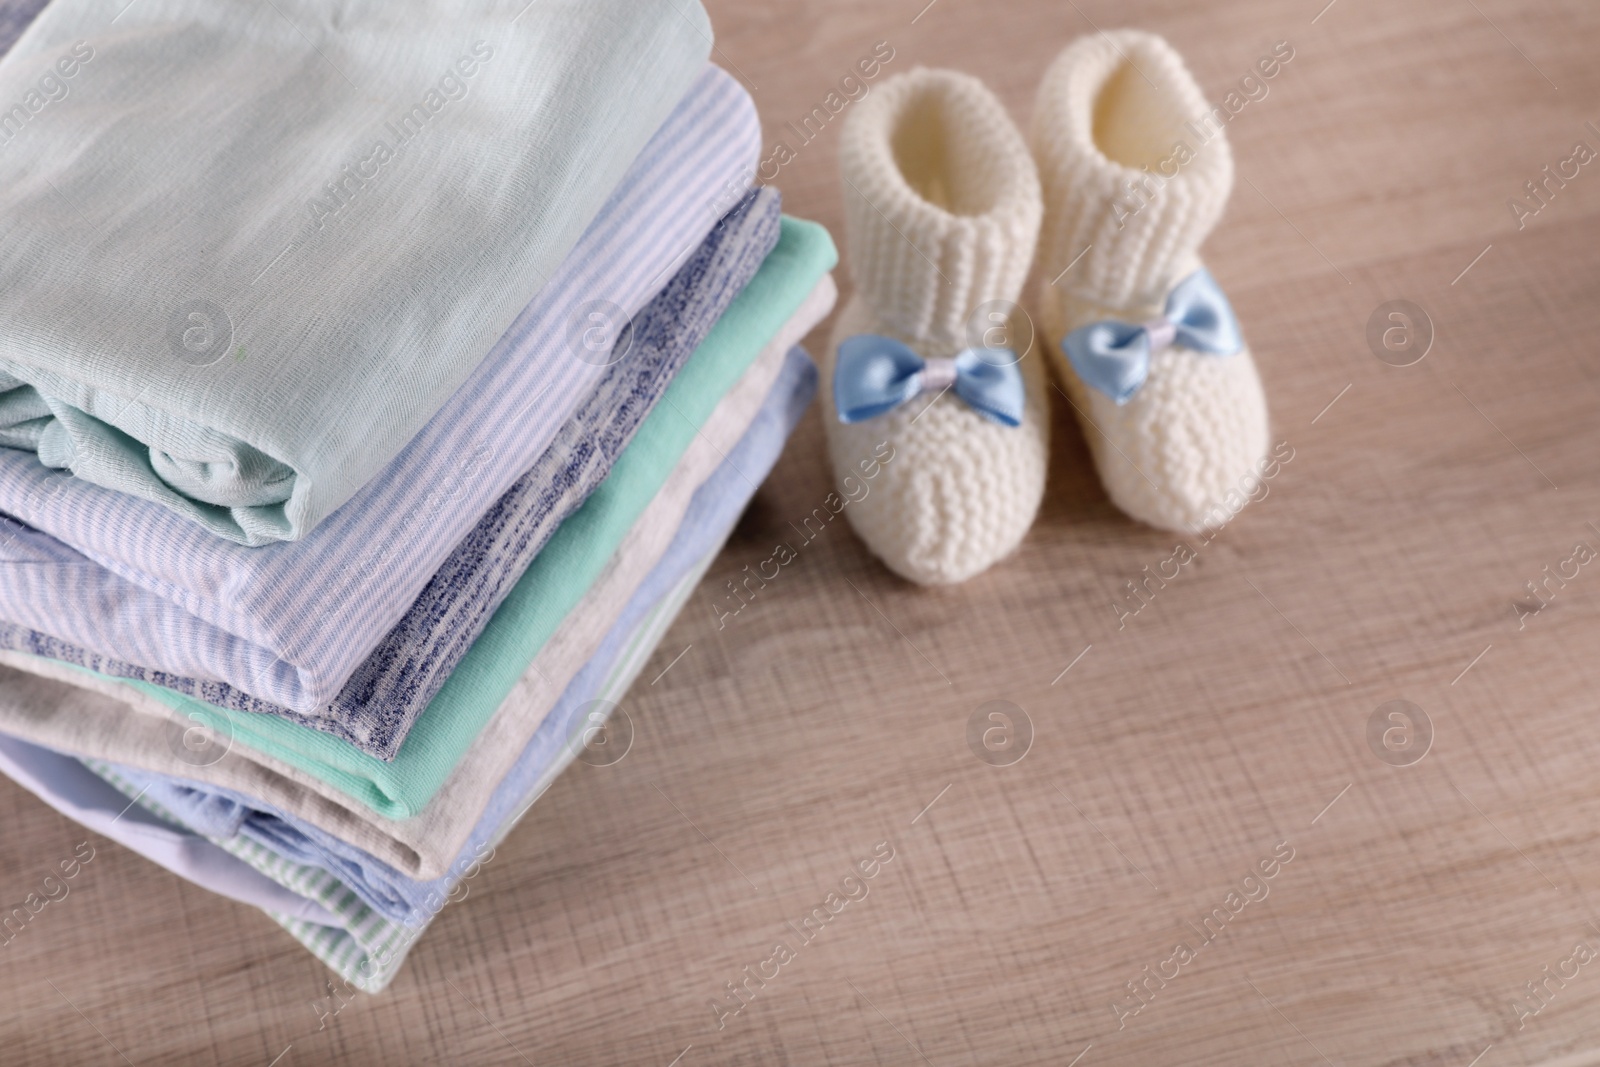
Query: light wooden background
[1172,757]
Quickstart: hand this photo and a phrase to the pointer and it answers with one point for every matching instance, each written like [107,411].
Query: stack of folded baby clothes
[376,382]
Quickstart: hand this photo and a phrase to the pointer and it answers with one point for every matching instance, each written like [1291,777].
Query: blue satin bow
[1114,357]
[876,374]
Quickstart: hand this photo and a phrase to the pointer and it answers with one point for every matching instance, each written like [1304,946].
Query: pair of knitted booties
[933,358]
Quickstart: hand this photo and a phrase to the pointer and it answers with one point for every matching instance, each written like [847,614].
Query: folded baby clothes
[291,623]
[249,252]
[78,718]
[362,943]
[715,508]
[309,827]
[378,705]
[285,763]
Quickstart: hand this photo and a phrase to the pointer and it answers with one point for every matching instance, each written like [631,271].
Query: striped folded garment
[250,251]
[291,624]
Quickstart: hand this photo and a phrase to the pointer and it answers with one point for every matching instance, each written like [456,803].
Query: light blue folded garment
[250,250]
[78,793]
[291,623]
[221,814]
[377,707]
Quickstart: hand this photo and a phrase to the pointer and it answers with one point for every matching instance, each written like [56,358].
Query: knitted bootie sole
[1179,431]
[942,213]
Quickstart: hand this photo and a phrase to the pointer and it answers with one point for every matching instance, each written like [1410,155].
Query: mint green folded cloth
[559,575]
[249,250]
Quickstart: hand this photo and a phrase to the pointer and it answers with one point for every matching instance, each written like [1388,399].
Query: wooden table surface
[1223,728]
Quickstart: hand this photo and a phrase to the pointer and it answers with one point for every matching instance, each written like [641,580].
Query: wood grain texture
[1167,763]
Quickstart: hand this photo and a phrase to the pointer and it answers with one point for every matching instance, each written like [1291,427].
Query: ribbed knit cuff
[942,203]
[1135,168]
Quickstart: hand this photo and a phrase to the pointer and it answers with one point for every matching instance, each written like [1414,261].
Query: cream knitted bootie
[939,428]
[1136,169]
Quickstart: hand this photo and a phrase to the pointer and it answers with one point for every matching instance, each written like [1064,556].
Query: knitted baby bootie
[939,427]
[1136,168]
